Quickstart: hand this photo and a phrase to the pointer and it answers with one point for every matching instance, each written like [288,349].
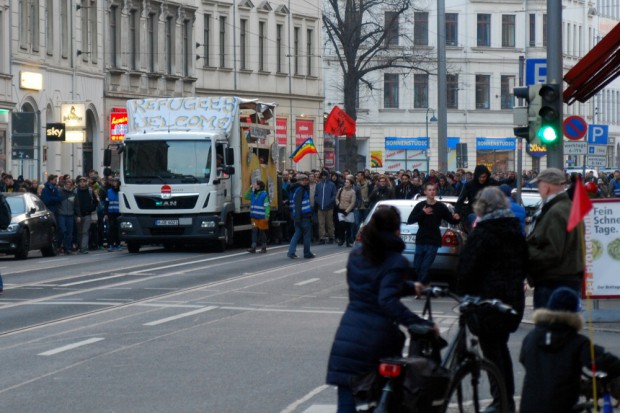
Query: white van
[580,171]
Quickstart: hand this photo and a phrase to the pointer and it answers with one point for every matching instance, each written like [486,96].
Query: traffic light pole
[555,74]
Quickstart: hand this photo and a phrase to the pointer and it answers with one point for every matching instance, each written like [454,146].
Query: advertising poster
[602,236]
[304,129]
[376,159]
[281,131]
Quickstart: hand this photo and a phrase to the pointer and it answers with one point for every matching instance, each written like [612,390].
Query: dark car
[32,227]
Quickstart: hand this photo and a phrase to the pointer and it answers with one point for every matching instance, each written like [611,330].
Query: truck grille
[167,231]
[157,202]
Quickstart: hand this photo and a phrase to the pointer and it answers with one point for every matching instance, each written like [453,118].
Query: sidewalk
[605,314]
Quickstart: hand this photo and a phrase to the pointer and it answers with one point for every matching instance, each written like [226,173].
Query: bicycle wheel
[473,388]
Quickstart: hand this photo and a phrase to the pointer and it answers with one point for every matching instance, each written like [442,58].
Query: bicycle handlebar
[467,301]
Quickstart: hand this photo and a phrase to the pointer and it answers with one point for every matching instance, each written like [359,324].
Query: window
[134,38]
[92,32]
[114,35]
[420,92]
[187,46]
[296,50]
[452,86]
[84,46]
[49,27]
[532,30]
[279,48]
[151,41]
[222,41]
[261,46]
[29,25]
[420,29]
[34,25]
[64,29]
[484,30]
[390,90]
[169,45]
[452,29]
[391,28]
[309,51]
[206,40]
[242,44]
[544,30]
[483,91]
[507,86]
[508,30]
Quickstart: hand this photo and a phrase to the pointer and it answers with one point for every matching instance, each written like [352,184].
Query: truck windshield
[168,162]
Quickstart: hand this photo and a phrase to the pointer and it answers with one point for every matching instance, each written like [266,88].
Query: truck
[185,164]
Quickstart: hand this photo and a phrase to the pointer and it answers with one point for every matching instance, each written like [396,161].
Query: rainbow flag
[304,149]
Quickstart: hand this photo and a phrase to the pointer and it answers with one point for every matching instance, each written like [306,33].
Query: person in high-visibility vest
[259,214]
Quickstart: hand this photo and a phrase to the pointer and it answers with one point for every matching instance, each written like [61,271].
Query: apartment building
[490,46]
[67,67]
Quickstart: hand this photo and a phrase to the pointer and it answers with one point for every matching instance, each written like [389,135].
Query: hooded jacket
[368,330]
[471,189]
[553,355]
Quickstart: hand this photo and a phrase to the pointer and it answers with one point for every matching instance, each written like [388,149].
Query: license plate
[166,222]
[408,238]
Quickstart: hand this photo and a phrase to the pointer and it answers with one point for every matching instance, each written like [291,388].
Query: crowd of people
[86,209]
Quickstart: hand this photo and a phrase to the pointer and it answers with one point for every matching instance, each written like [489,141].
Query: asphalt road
[182,331]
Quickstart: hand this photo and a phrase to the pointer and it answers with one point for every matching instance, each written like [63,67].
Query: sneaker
[252,250]
[292,256]
[119,248]
[83,251]
[311,255]
[263,250]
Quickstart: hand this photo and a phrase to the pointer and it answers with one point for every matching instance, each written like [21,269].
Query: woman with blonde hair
[345,202]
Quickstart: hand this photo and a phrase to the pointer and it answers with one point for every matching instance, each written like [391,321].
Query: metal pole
[520,140]
[442,97]
[555,72]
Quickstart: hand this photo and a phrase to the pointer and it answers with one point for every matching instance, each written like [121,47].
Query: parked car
[32,227]
[452,237]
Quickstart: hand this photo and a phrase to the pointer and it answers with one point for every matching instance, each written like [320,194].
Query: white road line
[92,280]
[309,281]
[283,310]
[176,317]
[340,271]
[293,406]
[70,346]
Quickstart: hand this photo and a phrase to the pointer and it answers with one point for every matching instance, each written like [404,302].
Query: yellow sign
[376,159]
[30,80]
[73,115]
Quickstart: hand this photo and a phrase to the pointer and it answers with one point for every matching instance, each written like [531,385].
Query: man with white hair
[555,255]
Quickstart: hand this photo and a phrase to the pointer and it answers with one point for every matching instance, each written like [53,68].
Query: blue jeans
[303,228]
[423,259]
[543,292]
[346,402]
[66,229]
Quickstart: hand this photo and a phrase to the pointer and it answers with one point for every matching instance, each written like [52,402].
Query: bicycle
[469,380]
[604,393]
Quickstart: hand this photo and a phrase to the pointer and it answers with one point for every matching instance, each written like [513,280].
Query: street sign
[598,134]
[597,150]
[593,161]
[574,127]
[575,148]
[535,71]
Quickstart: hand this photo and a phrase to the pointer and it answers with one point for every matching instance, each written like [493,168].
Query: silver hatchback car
[452,237]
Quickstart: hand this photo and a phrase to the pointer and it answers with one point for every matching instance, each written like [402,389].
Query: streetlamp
[433,119]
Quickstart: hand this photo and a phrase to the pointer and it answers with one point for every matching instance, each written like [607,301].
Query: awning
[595,70]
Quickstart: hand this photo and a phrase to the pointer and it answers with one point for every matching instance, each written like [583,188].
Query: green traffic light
[547,134]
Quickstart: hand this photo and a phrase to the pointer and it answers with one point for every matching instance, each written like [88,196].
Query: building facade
[490,48]
[73,64]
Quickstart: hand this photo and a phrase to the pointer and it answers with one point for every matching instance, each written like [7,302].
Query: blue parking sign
[598,134]
[535,71]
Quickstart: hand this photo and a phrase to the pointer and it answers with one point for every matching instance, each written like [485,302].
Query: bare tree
[365,37]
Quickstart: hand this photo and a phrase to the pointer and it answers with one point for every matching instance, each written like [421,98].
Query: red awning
[595,70]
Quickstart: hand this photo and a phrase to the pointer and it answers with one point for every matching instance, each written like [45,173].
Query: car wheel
[133,247]
[50,250]
[24,246]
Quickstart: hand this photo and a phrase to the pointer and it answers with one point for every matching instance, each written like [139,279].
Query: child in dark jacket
[554,354]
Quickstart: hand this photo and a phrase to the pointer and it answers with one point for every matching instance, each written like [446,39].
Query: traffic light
[550,129]
[529,114]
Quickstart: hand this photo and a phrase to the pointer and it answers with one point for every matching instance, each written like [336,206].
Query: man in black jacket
[482,179]
[86,203]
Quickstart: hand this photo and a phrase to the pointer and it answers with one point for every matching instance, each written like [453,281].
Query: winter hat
[506,189]
[564,299]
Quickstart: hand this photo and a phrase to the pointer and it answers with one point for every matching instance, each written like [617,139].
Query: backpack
[5,213]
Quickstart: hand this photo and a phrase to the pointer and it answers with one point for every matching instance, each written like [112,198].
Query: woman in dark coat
[492,265]
[369,330]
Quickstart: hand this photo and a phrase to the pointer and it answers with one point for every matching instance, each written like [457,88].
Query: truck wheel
[133,247]
[227,239]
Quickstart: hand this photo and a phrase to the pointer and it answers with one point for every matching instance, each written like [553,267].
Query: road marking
[70,346]
[311,280]
[340,271]
[293,406]
[176,317]
[321,408]
[92,281]
[283,310]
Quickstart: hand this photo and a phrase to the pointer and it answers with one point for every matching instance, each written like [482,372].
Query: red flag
[339,123]
[581,206]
